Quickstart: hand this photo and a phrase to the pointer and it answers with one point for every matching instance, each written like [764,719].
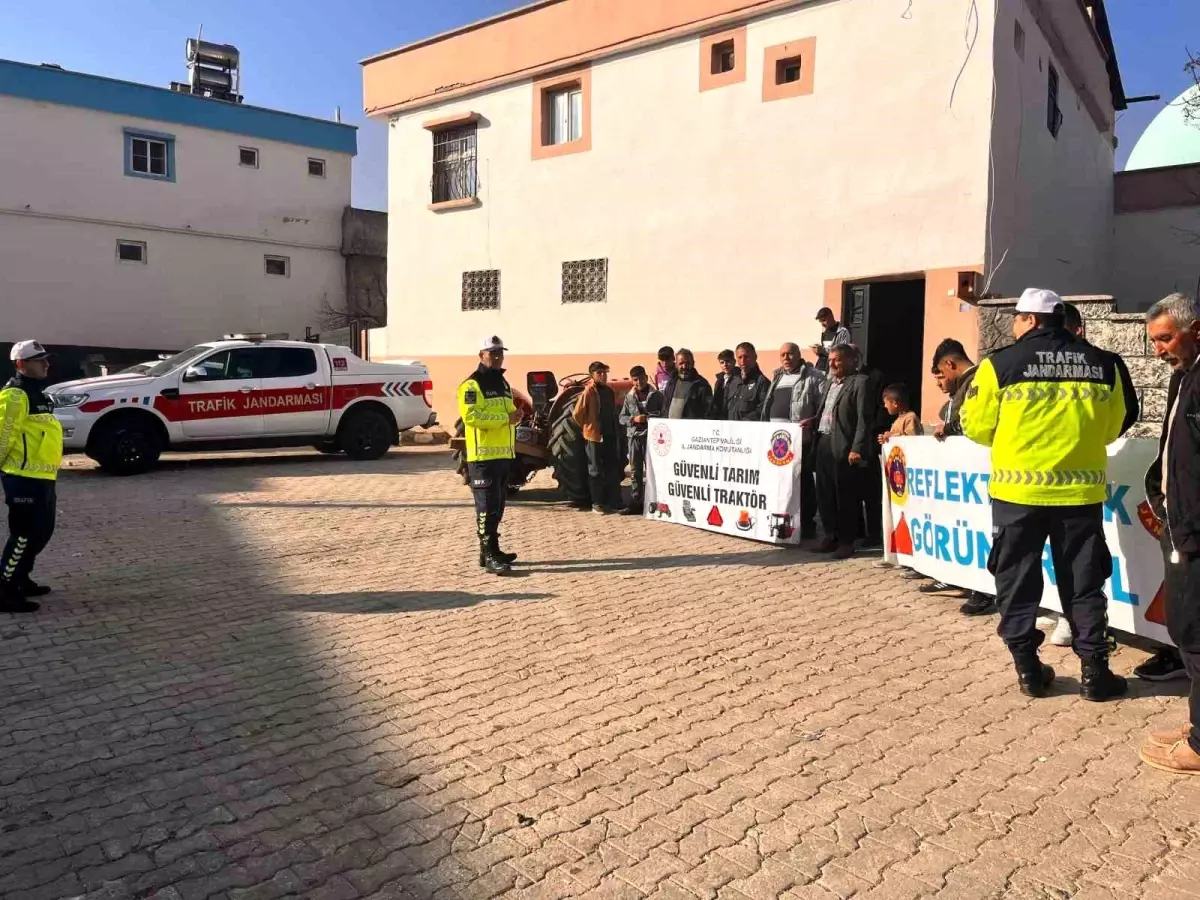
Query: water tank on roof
[225,56]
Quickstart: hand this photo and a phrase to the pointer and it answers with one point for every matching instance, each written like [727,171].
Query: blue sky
[302,56]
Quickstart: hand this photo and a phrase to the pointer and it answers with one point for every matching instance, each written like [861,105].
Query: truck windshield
[163,366]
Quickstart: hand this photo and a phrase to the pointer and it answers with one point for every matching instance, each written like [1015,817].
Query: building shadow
[399,461]
[175,721]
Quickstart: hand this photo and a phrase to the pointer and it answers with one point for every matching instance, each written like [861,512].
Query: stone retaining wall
[1123,333]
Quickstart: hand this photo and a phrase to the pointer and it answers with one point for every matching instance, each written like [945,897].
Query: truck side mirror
[543,387]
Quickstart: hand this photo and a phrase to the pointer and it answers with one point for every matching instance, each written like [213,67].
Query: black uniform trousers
[637,470]
[808,491]
[839,493]
[32,508]
[1183,622]
[604,472]
[1082,564]
[489,487]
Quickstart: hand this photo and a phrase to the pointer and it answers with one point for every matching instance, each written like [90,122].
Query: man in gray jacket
[795,396]
[642,403]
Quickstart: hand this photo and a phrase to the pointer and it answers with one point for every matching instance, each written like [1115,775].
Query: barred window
[585,281]
[455,172]
[481,289]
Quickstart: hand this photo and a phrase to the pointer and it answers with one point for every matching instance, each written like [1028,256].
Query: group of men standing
[833,402]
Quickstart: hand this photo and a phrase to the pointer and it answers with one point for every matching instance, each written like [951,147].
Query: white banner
[938,515]
[739,478]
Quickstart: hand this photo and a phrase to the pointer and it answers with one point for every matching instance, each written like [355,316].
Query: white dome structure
[1169,140]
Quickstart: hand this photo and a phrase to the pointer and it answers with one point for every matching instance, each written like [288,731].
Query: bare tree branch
[1191,104]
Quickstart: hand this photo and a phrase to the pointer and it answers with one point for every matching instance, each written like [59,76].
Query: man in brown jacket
[596,414]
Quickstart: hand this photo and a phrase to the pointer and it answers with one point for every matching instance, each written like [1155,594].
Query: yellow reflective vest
[1048,406]
[31,439]
[485,402]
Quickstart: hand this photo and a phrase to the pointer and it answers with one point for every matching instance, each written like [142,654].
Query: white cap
[491,343]
[23,350]
[1038,301]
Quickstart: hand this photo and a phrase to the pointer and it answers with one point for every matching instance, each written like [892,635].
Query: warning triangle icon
[714,518]
[902,539]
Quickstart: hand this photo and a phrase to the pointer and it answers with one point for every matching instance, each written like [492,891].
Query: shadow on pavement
[767,558]
[170,724]
[405,601]
[401,461]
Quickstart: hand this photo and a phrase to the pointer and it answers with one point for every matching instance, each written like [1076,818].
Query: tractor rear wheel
[569,456]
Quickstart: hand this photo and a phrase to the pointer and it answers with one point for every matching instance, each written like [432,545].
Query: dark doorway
[887,322]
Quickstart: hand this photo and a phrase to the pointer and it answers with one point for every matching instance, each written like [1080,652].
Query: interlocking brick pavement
[287,677]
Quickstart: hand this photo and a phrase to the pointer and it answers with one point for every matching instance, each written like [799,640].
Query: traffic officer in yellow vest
[489,416]
[1048,406]
[31,447]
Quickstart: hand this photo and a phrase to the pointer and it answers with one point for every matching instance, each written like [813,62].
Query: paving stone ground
[286,676]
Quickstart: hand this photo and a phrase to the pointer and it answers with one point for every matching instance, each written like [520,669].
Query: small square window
[316,168]
[149,156]
[131,251]
[724,58]
[277,265]
[787,71]
[481,289]
[565,115]
[248,157]
[585,281]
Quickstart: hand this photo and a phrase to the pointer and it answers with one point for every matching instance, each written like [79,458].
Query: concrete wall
[63,284]
[1157,253]
[722,216]
[65,200]
[1053,197]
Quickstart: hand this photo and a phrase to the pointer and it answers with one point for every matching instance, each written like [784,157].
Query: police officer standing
[1048,406]
[31,448]
[489,416]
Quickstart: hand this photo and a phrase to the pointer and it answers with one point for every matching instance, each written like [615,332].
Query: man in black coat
[746,389]
[688,395]
[845,453]
[1173,490]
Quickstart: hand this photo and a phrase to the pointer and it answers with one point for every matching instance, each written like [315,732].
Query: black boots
[32,589]
[1097,681]
[489,558]
[12,600]
[491,546]
[1034,676]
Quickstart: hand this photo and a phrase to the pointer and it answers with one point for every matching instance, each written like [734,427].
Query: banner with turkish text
[739,478]
[938,515]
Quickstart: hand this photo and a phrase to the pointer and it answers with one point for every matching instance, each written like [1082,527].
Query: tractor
[547,435]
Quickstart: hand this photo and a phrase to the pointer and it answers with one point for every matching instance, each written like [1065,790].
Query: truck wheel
[126,446]
[365,434]
[460,456]
[569,456]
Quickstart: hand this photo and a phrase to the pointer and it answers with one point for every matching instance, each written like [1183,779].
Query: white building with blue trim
[134,219]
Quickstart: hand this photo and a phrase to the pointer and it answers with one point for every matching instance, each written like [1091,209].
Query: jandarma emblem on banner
[660,440]
[780,452]
[897,476]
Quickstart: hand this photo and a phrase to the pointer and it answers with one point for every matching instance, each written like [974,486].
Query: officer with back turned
[31,447]
[489,416]
[1048,406]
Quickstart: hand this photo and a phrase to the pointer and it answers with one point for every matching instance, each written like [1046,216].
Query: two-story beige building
[596,179]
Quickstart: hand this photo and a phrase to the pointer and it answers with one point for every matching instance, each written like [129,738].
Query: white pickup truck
[240,393]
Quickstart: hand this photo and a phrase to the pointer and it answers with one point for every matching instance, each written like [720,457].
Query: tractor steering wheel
[572,380]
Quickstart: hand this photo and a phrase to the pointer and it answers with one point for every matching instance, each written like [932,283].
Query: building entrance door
[886,319]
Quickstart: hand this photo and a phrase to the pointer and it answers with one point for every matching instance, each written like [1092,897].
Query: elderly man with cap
[1048,406]
[31,448]
[596,415]
[489,416]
